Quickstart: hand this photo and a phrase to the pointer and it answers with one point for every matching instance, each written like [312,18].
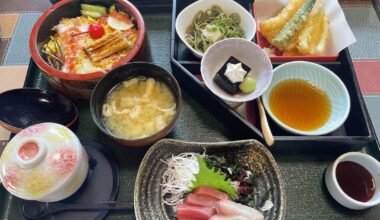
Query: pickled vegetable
[95,8]
[248,85]
[92,14]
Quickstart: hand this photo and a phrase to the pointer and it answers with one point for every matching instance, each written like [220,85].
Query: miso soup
[138,108]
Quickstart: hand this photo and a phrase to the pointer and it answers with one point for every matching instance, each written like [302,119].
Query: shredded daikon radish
[155,105]
[116,111]
[177,179]
[131,82]
[107,111]
[267,205]
[167,109]
[135,112]
[150,82]
[160,122]
[134,100]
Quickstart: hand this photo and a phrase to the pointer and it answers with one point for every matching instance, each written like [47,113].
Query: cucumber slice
[95,8]
[92,14]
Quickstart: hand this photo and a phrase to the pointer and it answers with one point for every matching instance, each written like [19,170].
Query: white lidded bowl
[325,80]
[44,162]
[248,53]
[370,164]
[185,18]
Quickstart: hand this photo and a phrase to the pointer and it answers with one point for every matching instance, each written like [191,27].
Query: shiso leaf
[212,178]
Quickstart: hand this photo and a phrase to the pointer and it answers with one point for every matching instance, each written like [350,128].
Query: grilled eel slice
[108,45]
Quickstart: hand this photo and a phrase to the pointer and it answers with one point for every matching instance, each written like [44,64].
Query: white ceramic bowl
[324,79]
[368,162]
[44,162]
[248,53]
[186,16]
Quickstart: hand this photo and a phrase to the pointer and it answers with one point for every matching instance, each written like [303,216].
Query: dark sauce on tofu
[355,180]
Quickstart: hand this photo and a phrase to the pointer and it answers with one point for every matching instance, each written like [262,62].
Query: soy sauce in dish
[355,180]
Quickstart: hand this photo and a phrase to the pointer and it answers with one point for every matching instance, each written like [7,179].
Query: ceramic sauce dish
[353,180]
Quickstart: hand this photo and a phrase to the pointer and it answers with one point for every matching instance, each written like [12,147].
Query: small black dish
[21,108]
[101,184]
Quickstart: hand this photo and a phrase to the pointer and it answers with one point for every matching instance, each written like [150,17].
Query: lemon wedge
[119,24]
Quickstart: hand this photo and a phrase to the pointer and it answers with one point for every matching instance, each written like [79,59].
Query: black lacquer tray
[353,134]
[205,118]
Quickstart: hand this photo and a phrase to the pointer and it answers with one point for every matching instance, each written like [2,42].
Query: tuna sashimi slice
[229,217]
[227,207]
[201,200]
[185,211]
[207,191]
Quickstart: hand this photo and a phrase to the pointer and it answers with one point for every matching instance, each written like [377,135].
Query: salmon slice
[185,211]
[207,191]
[201,200]
[227,207]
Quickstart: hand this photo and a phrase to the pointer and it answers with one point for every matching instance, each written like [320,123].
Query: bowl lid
[39,159]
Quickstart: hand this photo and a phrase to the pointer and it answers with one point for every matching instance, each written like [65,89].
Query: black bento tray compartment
[354,133]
